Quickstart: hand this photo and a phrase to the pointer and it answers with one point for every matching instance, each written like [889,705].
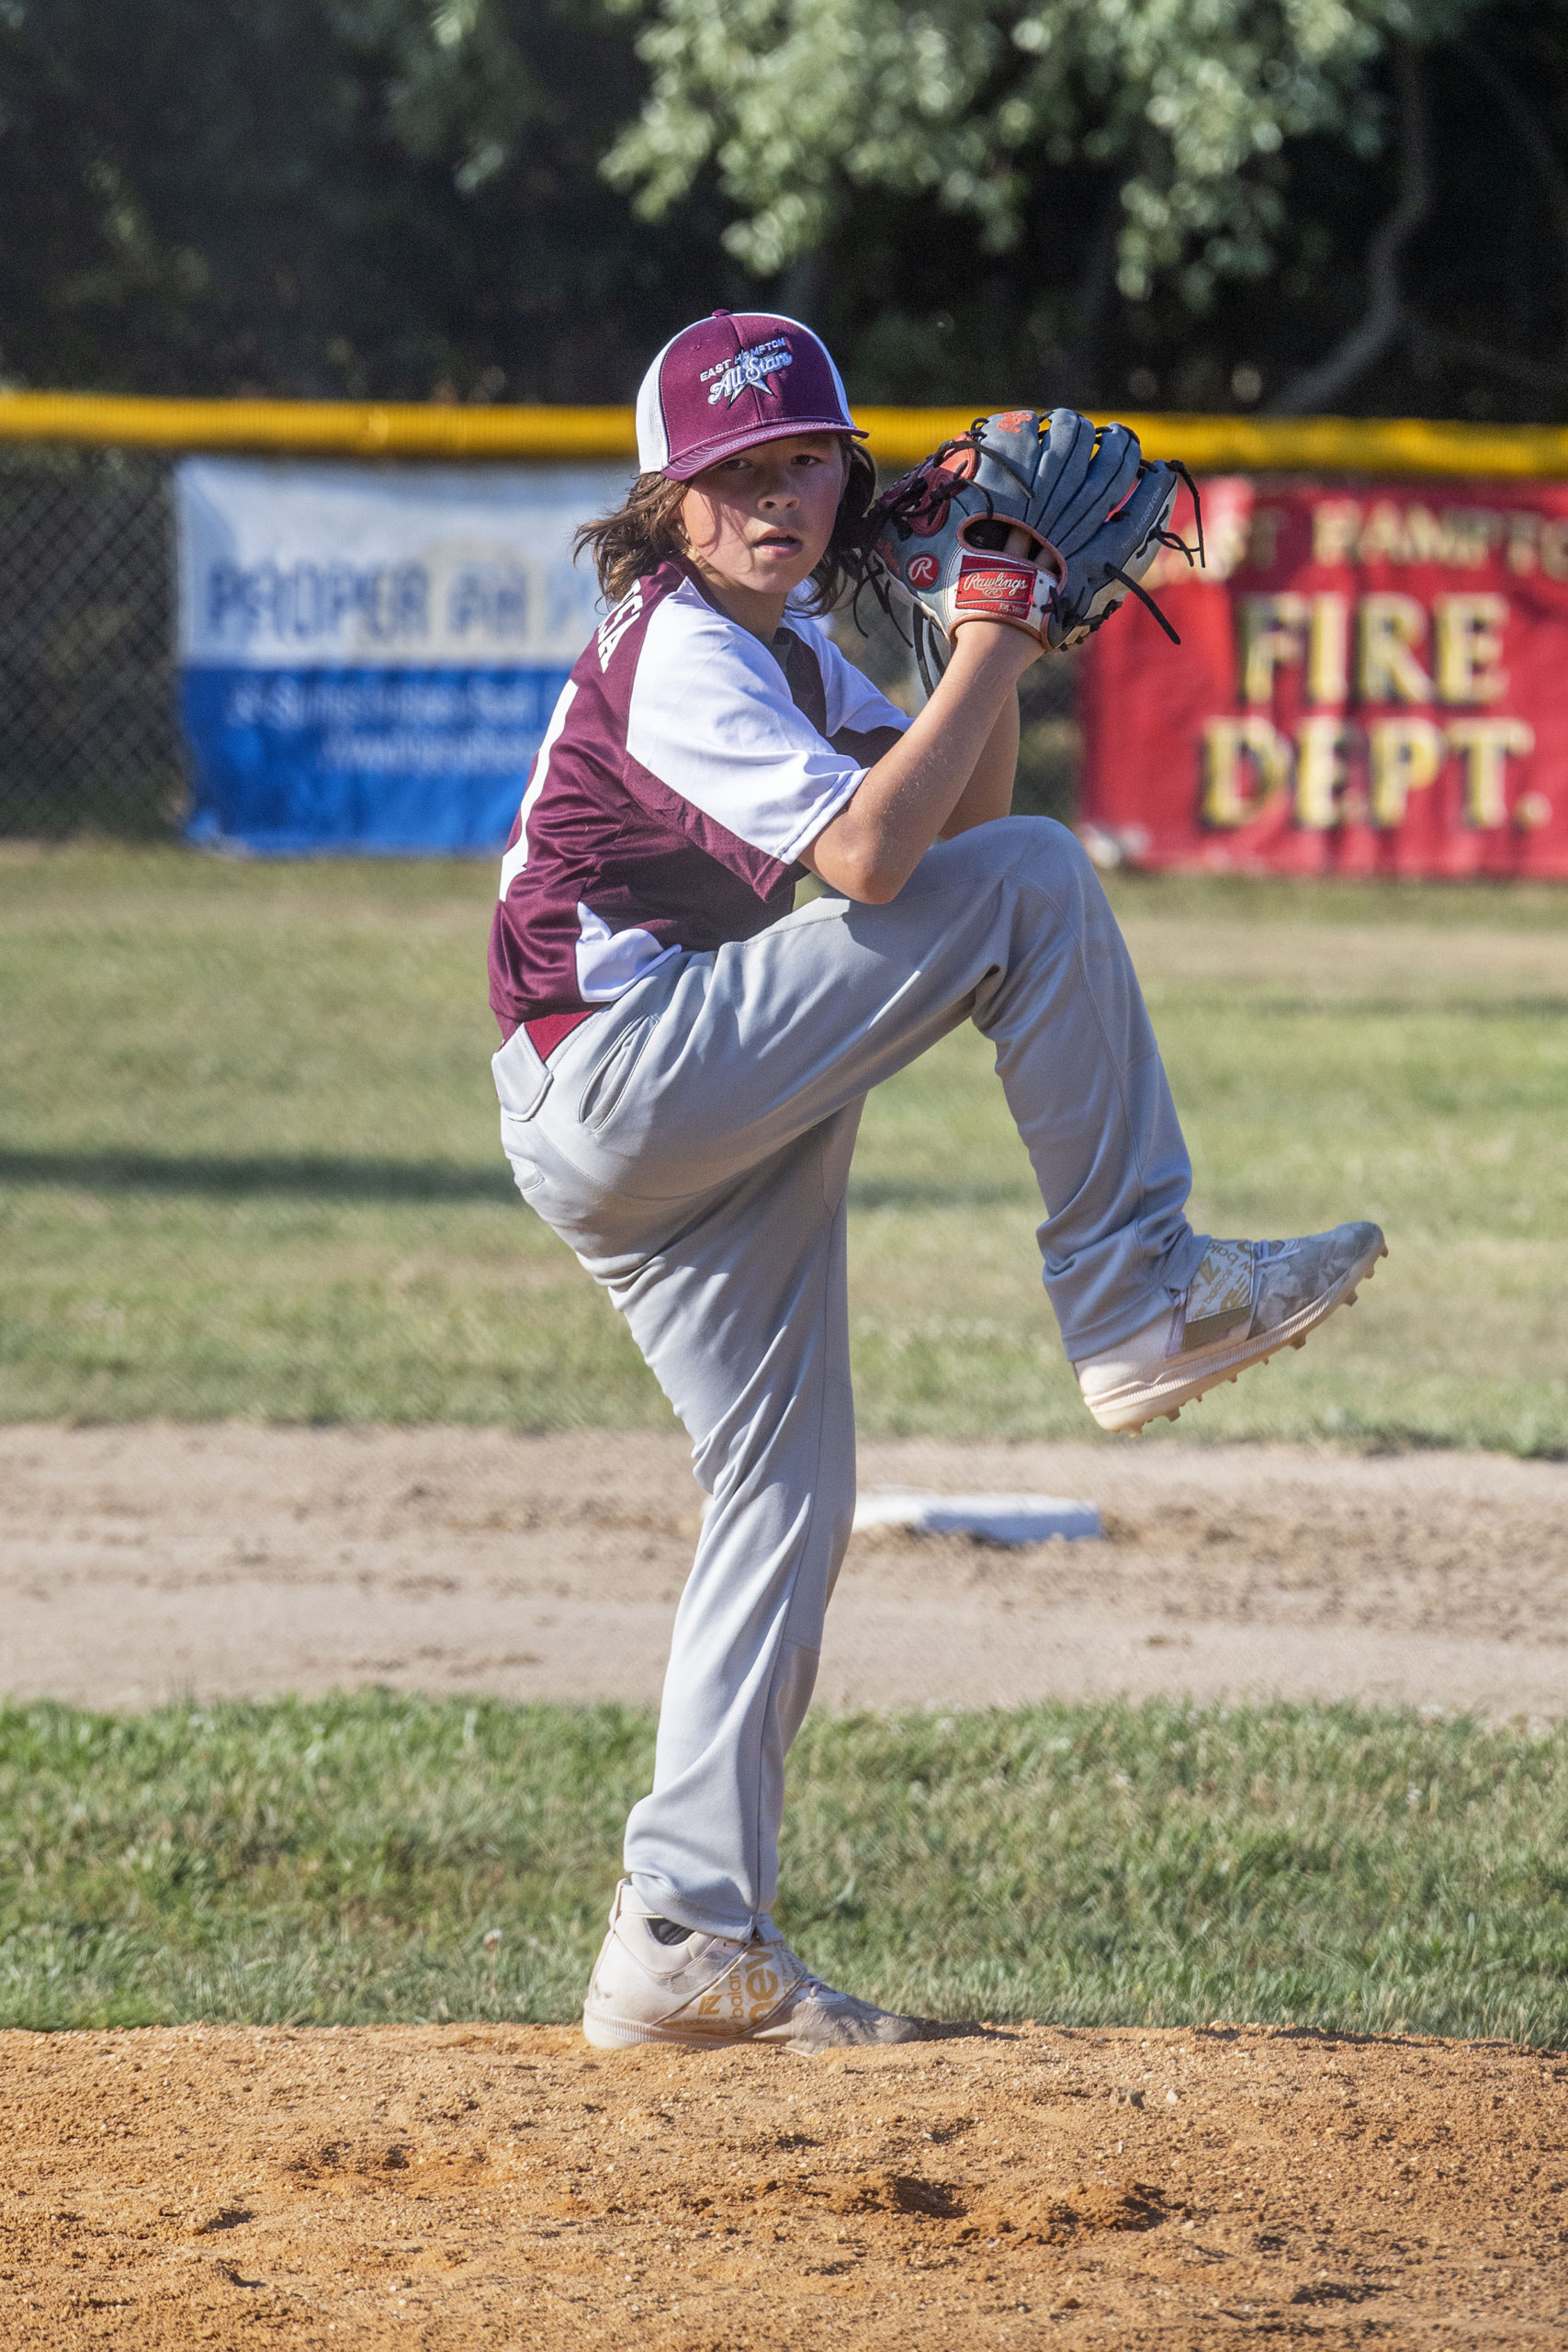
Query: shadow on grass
[940,1193]
[308,1175]
[302,1175]
[960,2029]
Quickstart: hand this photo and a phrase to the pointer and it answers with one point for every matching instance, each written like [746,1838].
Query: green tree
[1179,203]
[1185,120]
[330,196]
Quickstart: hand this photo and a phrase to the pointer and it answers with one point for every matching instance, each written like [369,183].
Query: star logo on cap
[756,369]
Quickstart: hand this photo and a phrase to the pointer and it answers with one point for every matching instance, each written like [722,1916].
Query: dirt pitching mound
[506,2186]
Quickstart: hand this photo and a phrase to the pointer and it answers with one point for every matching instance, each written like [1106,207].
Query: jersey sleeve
[711,718]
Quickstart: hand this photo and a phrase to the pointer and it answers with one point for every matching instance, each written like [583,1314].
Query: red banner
[1371,681]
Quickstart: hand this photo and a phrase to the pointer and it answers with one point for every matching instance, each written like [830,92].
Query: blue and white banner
[370,656]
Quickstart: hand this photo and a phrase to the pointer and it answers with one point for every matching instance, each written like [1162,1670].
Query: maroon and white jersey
[685,768]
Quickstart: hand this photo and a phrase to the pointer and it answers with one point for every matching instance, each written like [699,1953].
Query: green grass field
[249,1167]
[249,1163]
[342,1861]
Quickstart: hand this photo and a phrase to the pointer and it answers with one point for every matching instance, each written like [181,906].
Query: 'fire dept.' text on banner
[1371,679]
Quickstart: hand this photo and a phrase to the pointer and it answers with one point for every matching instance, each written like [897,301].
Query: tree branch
[1526,124]
[1455,351]
[1091,303]
[1316,387]
[800,287]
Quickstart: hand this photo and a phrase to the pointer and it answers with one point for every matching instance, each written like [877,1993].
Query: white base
[1001,1519]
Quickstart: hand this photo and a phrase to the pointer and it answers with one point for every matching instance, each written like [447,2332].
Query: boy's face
[760,521]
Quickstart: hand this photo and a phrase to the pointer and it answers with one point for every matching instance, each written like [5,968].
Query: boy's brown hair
[645,531]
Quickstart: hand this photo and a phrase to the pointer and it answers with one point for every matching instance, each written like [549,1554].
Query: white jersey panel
[609,962]
[711,717]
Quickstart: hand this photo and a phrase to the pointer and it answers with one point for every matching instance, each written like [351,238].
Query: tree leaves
[791,100]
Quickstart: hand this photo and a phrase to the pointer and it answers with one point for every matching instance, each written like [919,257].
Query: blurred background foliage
[1268,204]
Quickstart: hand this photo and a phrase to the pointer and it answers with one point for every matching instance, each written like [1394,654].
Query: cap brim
[748,436]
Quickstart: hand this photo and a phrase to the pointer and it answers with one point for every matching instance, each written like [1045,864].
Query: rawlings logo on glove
[1001,589]
[1044,523]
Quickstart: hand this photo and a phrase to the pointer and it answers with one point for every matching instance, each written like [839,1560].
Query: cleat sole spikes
[1184,1380]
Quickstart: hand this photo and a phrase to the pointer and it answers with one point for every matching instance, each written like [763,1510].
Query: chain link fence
[90,738]
[89,724]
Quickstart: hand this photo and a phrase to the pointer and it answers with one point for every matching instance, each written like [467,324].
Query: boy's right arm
[988,793]
[906,802]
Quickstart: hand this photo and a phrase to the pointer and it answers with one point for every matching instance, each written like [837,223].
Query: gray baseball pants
[691,1143]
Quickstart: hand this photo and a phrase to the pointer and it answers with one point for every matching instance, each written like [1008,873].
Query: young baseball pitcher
[686,1056]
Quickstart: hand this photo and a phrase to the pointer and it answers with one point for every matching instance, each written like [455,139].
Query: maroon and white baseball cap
[730,382]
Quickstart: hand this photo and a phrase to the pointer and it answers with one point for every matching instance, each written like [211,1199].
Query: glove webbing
[1167,540]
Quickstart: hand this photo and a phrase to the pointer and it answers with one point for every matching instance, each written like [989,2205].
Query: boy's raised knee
[1037,846]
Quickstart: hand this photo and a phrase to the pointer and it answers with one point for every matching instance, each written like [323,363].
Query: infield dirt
[141,1563]
[506,2186]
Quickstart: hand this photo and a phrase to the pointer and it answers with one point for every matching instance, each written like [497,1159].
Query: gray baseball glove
[1094,509]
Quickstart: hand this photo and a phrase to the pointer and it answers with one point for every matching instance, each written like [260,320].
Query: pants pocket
[522,1079]
[515,1136]
[609,1078]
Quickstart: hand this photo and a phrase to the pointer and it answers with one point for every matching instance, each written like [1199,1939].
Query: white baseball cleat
[654,1981]
[1246,1299]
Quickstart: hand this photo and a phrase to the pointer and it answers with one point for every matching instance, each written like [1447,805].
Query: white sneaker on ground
[712,1989]
[1246,1299]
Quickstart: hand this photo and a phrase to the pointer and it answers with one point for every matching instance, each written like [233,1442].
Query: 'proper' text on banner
[369,655]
